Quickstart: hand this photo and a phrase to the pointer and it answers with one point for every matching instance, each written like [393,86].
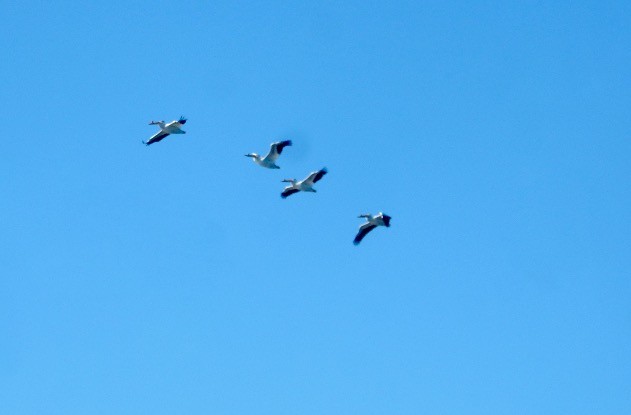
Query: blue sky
[174,279]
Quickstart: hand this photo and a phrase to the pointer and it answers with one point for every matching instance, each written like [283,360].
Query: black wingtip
[281,145]
[289,192]
[182,120]
[386,220]
[320,174]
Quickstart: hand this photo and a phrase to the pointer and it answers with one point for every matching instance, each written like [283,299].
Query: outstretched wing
[175,127]
[288,192]
[363,231]
[276,149]
[156,137]
[316,175]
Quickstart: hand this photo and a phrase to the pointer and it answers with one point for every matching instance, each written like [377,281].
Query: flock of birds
[269,162]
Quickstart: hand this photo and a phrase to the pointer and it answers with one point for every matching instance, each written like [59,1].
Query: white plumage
[174,127]
[269,161]
[372,222]
[305,185]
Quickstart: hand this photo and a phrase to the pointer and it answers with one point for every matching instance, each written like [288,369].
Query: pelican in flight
[174,127]
[305,185]
[268,161]
[372,222]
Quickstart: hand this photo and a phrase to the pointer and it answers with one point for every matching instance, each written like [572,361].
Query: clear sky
[173,279]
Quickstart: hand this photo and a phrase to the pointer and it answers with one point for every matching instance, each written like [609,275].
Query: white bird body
[305,185]
[269,161]
[371,223]
[174,127]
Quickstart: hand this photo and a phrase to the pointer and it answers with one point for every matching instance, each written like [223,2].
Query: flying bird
[372,222]
[174,127]
[269,161]
[305,185]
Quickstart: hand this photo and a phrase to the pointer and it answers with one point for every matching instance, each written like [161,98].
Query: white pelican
[174,127]
[305,185]
[268,161]
[373,221]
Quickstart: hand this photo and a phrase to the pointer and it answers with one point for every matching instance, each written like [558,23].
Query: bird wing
[363,231]
[157,137]
[288,192]
[276,149]
[175,129]
[386,220]
[316,176]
